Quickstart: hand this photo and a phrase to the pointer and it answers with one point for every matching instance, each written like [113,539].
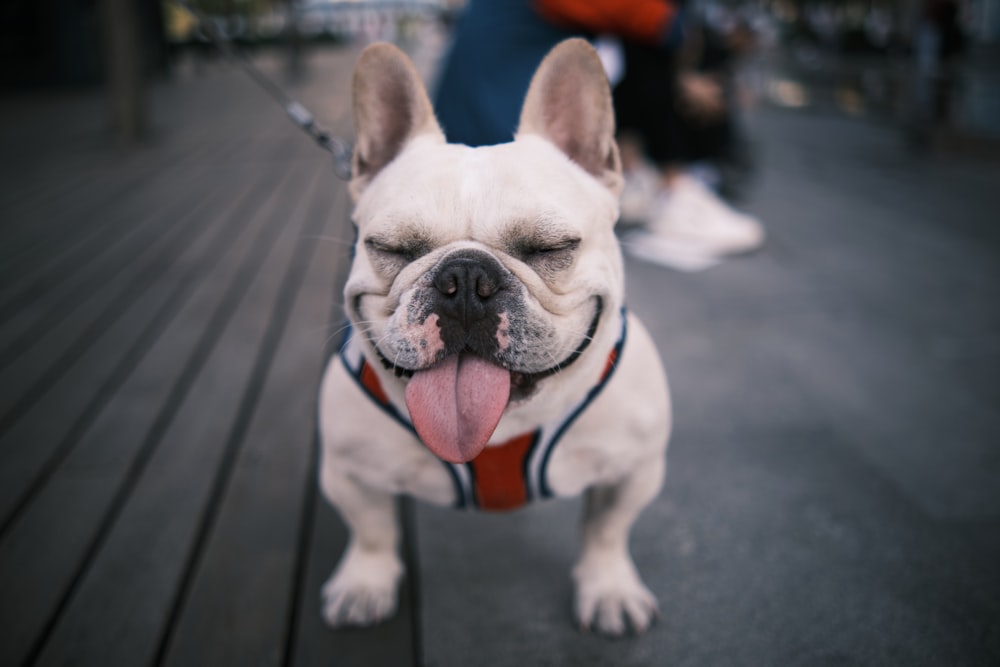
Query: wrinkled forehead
[454,191]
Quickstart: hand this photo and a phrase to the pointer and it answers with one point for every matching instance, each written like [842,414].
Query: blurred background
[855,57]
[172,250]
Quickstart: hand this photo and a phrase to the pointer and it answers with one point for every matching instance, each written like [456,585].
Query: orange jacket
[647,21]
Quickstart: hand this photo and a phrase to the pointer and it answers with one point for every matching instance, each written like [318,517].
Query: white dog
[491,360]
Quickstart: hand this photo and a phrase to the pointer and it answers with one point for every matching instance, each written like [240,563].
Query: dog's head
[484,276]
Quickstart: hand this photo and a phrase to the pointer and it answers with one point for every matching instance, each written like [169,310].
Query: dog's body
[486,299]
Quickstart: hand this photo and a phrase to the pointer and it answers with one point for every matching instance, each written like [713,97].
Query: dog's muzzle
[471,290]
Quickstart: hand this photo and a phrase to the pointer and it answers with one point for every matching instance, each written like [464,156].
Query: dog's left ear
[569,103]
[391,107]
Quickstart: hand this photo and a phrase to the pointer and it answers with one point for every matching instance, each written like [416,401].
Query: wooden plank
[136,228]
[24,200]
[48,344]
[116,614]
[35,203]
[200,117]
[80,230]
[43,551]
[29,442]
[236,608]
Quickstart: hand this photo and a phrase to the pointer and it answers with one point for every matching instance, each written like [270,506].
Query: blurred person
[939,43]
[666,112]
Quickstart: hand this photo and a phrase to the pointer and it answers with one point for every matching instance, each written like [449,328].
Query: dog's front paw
[610,597]
[362,590]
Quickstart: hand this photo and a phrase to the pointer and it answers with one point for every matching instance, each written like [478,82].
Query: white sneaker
[692,229]
[642,185]
[642,244]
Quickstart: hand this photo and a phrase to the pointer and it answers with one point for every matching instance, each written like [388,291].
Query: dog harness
[504,476]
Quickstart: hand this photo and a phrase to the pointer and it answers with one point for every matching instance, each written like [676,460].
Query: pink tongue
[456,405]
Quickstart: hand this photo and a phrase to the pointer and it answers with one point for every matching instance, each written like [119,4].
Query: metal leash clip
[340,150]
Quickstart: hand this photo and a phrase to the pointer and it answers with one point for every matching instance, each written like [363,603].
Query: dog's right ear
[569,103]
[391,107]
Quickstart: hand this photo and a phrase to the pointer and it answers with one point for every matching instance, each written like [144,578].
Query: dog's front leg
[610,596]
[363,588]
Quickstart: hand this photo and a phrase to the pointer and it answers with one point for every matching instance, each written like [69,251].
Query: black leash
[340,150]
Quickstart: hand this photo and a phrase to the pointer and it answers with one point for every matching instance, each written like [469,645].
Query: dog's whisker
[324,328]
[347,325]
[378,343]
[336,333]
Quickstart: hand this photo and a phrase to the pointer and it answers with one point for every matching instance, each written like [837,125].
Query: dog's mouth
[456,404]
[522,383]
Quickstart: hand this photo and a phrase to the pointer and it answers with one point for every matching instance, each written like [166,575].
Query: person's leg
[685,224]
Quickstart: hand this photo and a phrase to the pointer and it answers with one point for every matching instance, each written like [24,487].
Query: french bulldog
[491,361]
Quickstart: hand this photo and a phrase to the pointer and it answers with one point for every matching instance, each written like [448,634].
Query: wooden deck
[165,317]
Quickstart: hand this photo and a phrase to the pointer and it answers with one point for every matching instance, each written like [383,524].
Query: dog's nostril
[448,282]
[448,285]
[485,287]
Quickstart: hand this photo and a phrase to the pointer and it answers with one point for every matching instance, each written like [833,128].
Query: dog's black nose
[466,284]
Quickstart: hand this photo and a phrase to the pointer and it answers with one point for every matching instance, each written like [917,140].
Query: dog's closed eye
[546,256]
[391,256]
